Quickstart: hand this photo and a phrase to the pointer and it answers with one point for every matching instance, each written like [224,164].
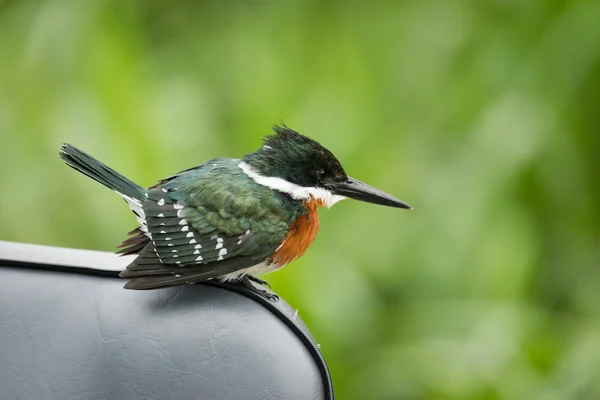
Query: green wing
[208,222]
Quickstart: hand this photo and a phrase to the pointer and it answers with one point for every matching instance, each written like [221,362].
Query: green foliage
[483,115]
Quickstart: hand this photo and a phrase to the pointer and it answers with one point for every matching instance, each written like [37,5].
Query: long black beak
[357,190]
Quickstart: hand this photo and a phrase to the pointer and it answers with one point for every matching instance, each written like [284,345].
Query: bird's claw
[246,282]
[259,281]
[269,296]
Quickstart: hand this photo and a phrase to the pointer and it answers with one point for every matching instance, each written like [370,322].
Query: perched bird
[229,219]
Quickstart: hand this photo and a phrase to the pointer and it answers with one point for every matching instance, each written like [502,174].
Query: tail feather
[100,172]
[132,193]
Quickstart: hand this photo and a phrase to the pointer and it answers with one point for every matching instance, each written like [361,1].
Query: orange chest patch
[301,234]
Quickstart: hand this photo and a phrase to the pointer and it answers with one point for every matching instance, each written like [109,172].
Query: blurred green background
[483,115]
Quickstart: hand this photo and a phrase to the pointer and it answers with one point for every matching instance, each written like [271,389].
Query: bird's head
[299,166]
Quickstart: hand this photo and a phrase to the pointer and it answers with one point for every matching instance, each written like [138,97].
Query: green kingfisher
[229,219]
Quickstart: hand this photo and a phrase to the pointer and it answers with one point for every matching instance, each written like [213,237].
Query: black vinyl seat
[69,331]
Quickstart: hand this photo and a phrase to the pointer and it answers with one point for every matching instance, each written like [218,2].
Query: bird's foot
[259,281]
[246,282]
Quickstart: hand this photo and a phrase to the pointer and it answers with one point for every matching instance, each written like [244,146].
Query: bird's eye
[321,173]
